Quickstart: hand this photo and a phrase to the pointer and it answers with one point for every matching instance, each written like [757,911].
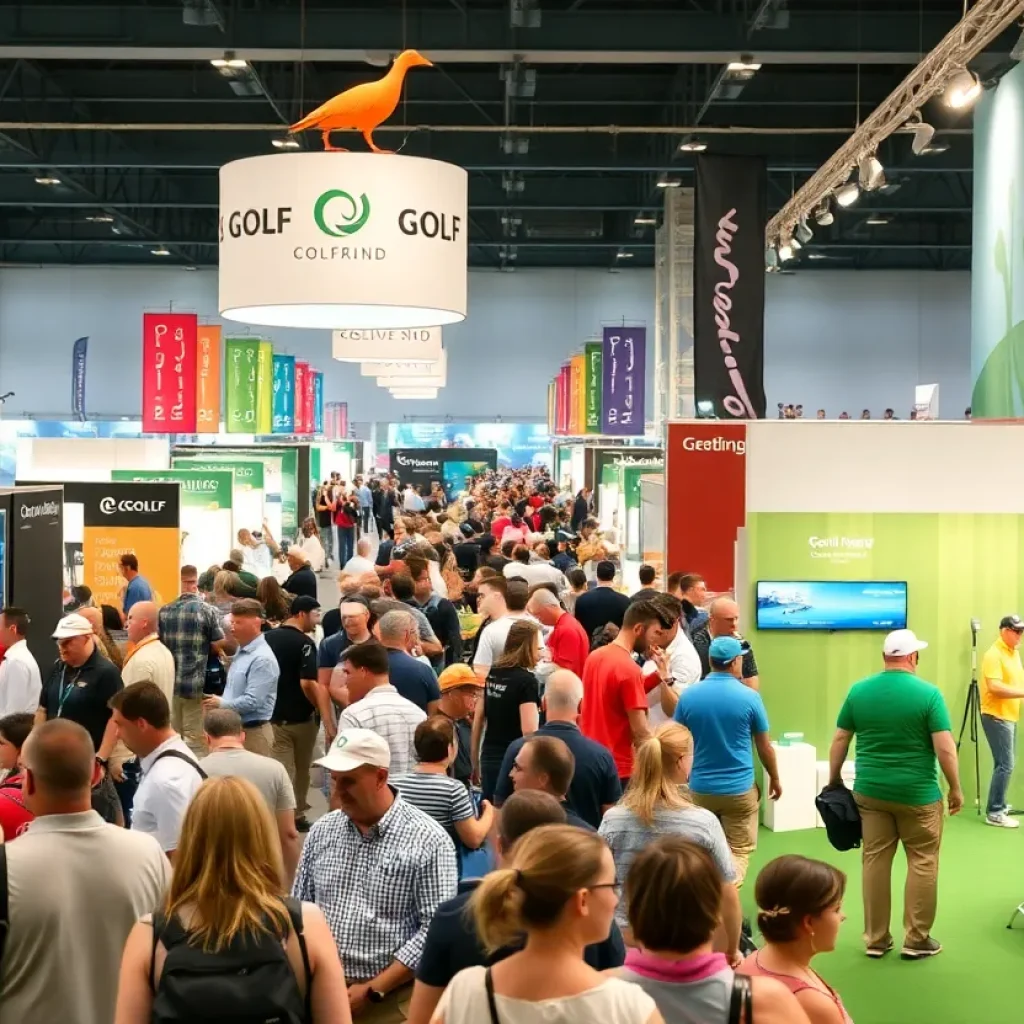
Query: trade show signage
[242,388]
[564,386]
[248,474]
[208,379]
[359,240]
[336,420]
[623,366]
[592,387]
[423,467]
[705,498]
[301,373]
[283,405]
[387,346]
[265,388]
[169,373]
[517,444]
[199,489]
[78,355]
[576,395]
[728,285]
[552,405]
[318,402]
[308,395]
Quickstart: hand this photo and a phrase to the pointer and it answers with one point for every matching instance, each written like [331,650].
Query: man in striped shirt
[373,703]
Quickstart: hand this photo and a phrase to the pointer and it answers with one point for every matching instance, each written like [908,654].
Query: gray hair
[237,556]
[545,599]
[221,722]
[564,690]
[394,625]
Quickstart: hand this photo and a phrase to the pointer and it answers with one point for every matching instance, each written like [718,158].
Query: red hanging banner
[302,374]
[169,373]
[564,378]
[309,402]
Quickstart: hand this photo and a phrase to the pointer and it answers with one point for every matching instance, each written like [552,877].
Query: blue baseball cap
[725,648]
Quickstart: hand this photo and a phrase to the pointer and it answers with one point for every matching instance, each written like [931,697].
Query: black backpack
[249,982]
[841,815]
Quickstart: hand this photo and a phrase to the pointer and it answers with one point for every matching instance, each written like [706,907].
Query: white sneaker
[1002,821]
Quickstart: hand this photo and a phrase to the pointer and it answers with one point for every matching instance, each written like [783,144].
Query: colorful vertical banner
[169,373]
[318,402]
[592,388]
[265,388]
[307,401]
[301,373]
[552,403]
[728,285]
[343,419]
[243,356]
[563,398]
[207,379]
[78,354]
[623,366]
[579,394]
[283,401]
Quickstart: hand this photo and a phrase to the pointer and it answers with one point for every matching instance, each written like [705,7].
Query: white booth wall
[86,458]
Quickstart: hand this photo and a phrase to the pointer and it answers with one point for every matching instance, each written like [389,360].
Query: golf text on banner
[208,379]
[301,373]
[78,355]
[318,402]
[624,382]
[243,356]
[283,421]
[169,373]
[264,388]
[728,285]
[578,412]
[592,388]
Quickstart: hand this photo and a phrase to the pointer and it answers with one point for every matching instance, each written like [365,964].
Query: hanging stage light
[963,89]
[923,133]
[870,173]
[823,214]
[803,232]
[848,194]
[786,251]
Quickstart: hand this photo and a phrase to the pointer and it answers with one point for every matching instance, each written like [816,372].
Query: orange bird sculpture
[363,107]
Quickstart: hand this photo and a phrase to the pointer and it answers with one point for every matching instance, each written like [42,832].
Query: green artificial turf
[975,977]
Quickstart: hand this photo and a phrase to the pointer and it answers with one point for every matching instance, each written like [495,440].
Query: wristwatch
[375,996]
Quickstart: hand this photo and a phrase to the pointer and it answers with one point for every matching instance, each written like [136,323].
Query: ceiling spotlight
[876,219]
[923,133]
[744,69]
[848,194]
[963,89]
[47,181]
[286,142]
[161,251]
[623,255]
[229,62]
[803,232]
[642,221]
[664,181]
[870,173]
[817,256]
[823,214]
[100,218]
[786,251]
[692,146]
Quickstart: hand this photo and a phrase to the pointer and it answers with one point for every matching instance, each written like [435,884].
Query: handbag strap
[741,1006]
[491,1005]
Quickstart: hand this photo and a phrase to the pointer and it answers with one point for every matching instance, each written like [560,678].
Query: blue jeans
[1001,737]
[346,544]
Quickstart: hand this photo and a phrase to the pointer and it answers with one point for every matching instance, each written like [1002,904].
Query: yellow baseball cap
[458,675]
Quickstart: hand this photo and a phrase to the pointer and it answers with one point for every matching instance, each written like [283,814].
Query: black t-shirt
[462,767]
[467,557]
[330,622]
[702,645]
[597,607]
[296,658]
[81,694]
[301,583]
[505,690]
[452,944]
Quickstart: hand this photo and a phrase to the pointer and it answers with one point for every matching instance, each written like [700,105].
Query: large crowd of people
[543,794]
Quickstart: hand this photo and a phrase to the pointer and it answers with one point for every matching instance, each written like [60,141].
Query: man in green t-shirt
[902,727]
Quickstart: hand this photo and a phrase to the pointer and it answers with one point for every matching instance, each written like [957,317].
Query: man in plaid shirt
[378,869]
[190,629]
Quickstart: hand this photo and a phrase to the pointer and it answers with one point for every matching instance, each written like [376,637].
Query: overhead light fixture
[642,221]
[817,256]
[848,194]
[161,251]
[229,62]
[803,232]
[936,147]
[962,90]
[923,133]
[622,254]
[664,181]
[706,410]
[823,214]
[692,146]
[190,268]
[786,252]
[47,181]
[742,69]
[870,173]
[100,218]
[413,393]
[876,220]
[287,142]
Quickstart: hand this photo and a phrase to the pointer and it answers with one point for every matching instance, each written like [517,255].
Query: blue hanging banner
[78,354]
[318,402]
[283,406]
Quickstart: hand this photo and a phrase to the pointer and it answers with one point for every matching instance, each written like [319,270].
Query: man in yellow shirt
[1002,687]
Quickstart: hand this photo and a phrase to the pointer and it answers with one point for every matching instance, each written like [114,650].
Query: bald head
[94,617]
[724,617]
[562,695]
[363,547]
[142,621]
[61,759]
[544,606]
[297,558]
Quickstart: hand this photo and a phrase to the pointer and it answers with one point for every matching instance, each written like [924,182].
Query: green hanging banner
[265,389]
[592,387]
[242,357]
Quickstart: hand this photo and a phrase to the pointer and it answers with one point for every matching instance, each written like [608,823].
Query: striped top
[445,799]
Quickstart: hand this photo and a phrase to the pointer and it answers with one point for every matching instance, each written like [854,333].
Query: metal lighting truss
[969,37]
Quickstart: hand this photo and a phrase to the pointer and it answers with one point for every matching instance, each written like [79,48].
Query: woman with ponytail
[653,806]
[559,888]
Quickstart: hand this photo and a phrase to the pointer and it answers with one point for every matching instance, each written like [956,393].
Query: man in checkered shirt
[373,703]
[378,869]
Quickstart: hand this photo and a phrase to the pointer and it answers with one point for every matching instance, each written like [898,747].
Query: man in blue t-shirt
[138,588]
[413,679]
[724,715]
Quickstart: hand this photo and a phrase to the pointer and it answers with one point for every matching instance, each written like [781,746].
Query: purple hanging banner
[623,374]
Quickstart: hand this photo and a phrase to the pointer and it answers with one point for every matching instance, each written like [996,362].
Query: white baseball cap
[72,625]
[901,642]
[355,747]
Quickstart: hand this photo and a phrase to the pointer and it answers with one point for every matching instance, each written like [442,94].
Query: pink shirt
[752,967]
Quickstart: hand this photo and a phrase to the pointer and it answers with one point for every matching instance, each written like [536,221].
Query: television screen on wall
[831,605]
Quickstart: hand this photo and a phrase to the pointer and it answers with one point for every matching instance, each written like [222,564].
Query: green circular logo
[353,214]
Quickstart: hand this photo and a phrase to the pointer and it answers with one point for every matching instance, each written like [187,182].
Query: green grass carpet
[974,979]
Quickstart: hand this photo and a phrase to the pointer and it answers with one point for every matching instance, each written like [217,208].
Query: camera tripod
[972,715]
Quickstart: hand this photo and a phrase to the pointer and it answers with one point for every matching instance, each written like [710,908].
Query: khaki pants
[738,815]
[293,747]
[187,722]
[394,1009]
[260,740]
[920,830]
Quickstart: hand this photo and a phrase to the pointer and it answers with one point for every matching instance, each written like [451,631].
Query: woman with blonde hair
[226,587]
[228,944]
[654,805]
[559,889]
[511,705]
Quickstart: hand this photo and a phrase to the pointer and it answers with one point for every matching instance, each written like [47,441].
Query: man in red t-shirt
[614,698]
[568,643]
[14,815]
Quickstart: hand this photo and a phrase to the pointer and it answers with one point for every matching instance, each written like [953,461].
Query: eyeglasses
[616,886]
[517,767]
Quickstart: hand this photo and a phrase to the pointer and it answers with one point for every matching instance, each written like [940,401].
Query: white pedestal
[798,775]
[849,774]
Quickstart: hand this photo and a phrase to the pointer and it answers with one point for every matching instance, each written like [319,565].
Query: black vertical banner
[728,285]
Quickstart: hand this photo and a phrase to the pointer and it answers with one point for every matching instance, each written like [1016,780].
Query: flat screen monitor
[831,605]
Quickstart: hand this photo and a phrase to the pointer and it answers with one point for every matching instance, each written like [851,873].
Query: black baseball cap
[304,603]
[1014,622]
[466,530]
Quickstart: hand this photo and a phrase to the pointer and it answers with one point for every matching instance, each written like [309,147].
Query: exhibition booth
[452,468]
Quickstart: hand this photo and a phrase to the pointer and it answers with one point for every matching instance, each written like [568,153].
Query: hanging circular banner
[343,240]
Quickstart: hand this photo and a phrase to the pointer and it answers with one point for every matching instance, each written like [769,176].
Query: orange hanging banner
[208,380]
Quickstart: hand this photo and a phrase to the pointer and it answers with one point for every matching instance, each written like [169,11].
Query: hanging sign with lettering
[169,373]
[624,380]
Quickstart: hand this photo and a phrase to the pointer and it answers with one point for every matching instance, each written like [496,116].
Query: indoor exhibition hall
[510,511]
